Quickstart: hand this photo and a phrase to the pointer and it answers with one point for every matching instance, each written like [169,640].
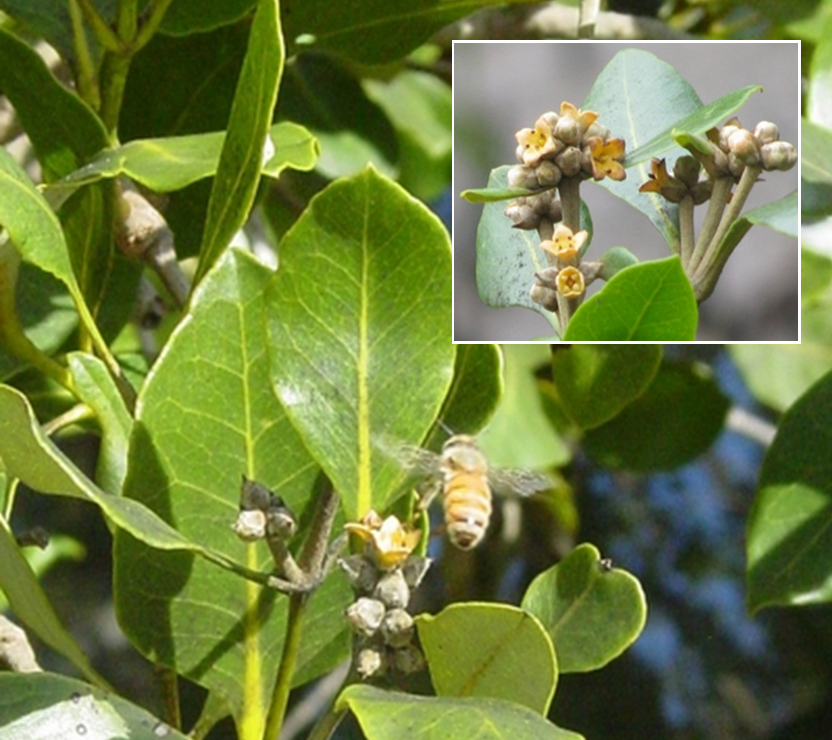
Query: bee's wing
[417,461]
[518,481]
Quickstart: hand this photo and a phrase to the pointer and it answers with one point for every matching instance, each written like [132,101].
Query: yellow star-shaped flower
[606,158]
[537,142]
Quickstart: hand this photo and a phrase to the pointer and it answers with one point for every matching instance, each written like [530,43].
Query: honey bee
[462,475]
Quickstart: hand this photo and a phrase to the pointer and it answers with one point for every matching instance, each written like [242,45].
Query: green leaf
[359,333]
[419,105]
[187,17]
[45,706]
[652,302]
[520,434]
[95,387]
[594,383]
[63,130]
[476,389]
[781,215]
[815,168]
[168,164]
[205,417]
[245,147]
[697,122]
[789,537]
[818,107]
[677,418]
[507,258]
[592,612]
[614,261]
[493,195]
[373,31]
[636,81]
[31,606]
[385,714]
[511,657]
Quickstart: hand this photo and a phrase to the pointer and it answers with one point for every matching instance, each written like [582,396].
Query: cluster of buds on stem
[383,578]
[730,156]
[557,154]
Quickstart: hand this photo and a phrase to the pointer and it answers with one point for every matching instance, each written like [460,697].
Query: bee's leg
[428,492]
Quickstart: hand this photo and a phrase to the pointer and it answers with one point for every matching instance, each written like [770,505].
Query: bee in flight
[461,473]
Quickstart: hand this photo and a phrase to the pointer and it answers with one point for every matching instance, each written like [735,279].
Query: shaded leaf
[245,147]
[63,130]
[819,105]
[815,168]
[651,301]
[205,417]
[186,17]
[677,418]
[30,605]
[385,714]
[511,659]
[594,383]
[592,612]
[789,537]
[362,350]
[45,706]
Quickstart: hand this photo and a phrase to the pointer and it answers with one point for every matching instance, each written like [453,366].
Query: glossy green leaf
[46,706]
[476,389]
[614,261]
[63,130]
[519,434]
[168,164]
[507,258]
[246,146]
[677,418]
[95,387]
[637,81]
[359,334]
[789,537]
[30,605]
[373,31]
[511,658]
[592,611]
[595,382]
[819,105]
[385,714]
[197,16]
[325,95]
[815,168]
[815,276]
[781,215]
[697,122]
[205,417]
[419,105]
[650,302]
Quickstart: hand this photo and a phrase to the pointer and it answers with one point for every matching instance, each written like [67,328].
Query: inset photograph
[612,192]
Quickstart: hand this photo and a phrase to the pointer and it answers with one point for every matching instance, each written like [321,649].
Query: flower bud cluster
[566,276]
[733,148]
[384,630]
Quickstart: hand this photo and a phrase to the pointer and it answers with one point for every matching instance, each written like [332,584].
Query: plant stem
[716,206]
[570,199]
[731,214]
[104,35]
[686,230]
[87,80]
[155,12]
[114,70]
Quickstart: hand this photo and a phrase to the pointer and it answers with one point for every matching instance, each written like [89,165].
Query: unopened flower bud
[551,118]
[408,659]
[735,167]
[778,155]
[743,146]
[370,662]
[568,130]
[548,173]
[596,129]
[392,590]
[519,152]
[766,132]
[523,215]
[725,133]
[360,572]
[701,191]
[543,296]
[541,201]
[686,169]
[397,628]
[521,176]
[365,615]
[569,160]
[414,569]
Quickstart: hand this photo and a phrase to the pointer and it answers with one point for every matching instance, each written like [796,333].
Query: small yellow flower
[571,282]
[564,244]
[536,142]
[583,117]
[606,158]
[389,542]
[671,188]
